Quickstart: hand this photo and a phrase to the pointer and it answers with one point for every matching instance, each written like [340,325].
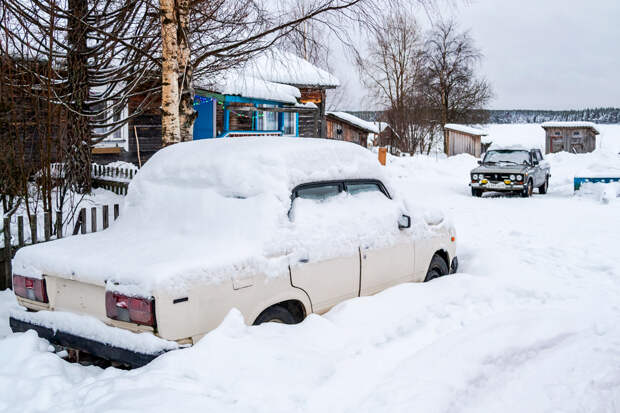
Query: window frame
[342,185]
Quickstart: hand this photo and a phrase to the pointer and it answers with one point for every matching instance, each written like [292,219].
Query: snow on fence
[111,178]
[53,228]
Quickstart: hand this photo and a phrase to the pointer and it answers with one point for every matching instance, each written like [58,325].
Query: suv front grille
[496,177]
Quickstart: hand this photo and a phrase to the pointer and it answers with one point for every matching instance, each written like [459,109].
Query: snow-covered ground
[529,324]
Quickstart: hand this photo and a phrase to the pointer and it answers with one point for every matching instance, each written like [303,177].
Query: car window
[510,156]
[357,188]
[539,155]
[318,192]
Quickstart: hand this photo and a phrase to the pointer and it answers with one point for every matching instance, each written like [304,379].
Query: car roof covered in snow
[515,147]
[247,166]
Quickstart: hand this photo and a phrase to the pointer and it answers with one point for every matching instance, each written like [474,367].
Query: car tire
[476,192]
[437,268]
[544,187]
[275,314]
[527,191]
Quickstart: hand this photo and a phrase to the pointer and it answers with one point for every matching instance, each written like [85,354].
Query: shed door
[204,126]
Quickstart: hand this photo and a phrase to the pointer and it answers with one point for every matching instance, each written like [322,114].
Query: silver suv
[517,170]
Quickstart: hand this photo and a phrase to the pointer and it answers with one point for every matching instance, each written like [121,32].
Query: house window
[110,120]
[558,133]
[576,133]
[289,123]
[266,120]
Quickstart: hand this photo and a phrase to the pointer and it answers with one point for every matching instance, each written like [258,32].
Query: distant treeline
[597,115]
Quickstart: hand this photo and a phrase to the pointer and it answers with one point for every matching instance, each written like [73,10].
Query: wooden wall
[459,142]
[349,133]
[580,140]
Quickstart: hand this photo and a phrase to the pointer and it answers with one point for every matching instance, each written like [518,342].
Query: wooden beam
[106,151]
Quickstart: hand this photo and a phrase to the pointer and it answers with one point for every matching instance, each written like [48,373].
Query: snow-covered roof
[590,125]
[237,84]
[354,120]
[465,129]
[284,67]
[381,126]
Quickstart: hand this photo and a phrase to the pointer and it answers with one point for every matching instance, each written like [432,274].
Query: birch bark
[170,126]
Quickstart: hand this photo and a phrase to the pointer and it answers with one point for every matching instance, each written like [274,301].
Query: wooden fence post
[47,225]
[8,255]
[106,216]
[83,220]
[116,210]
[93,219]
[20,230]
[33,229]
[58,224]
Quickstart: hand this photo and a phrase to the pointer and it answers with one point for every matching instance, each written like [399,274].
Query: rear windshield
[517,157]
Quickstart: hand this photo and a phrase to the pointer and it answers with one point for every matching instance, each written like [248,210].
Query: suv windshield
[509,156]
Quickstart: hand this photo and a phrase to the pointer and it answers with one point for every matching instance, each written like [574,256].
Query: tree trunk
[187,114]
[170,126]
[77,148]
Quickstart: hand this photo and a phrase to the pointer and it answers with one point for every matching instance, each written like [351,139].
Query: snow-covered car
[277,228]
[511,169]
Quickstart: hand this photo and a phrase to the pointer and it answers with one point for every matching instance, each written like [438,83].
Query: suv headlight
[519,177]
[512,177]
[474,177]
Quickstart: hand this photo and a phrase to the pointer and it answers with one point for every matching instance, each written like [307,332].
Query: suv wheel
[275,314]
[543,188]
[477,192]
[438,268]
[527,191]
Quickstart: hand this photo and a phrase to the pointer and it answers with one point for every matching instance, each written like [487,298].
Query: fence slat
[47,225]
[116,209]
[93,219]
[59,224]
[7,254]
[20,230]
[83,220]
[106,216]
[33,229]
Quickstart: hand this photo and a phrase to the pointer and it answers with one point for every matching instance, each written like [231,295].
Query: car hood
[502,169]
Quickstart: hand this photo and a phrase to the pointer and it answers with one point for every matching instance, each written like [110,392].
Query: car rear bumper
[105,351]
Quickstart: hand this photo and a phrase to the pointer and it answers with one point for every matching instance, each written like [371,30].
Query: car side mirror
[404,221]
[479,162]
[535,162]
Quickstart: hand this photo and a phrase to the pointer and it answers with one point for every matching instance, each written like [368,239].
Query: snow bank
[206,209]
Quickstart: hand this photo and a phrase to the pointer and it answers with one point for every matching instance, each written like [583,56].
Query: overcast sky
[539,54]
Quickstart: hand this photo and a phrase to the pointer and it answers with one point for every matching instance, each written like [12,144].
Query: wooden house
[388,138]
[576,137]
[346,127]
[464,139]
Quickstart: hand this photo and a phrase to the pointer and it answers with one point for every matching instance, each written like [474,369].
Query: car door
[326,281]
[386,266]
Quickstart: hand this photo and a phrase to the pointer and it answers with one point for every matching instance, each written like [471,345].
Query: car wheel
[275,314]
[527,192]
[476,192]
[543,188]
[438,268]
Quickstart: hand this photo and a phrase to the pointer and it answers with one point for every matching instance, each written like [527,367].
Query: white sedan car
[276,227]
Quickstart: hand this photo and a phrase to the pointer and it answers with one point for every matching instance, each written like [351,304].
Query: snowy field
[529,324]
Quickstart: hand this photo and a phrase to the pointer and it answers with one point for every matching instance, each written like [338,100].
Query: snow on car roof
[570,125]
[515,147]
[465,129]
[211,208]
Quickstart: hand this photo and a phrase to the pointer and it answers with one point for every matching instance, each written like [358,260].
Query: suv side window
[539,155]
[318,192]
[357,188]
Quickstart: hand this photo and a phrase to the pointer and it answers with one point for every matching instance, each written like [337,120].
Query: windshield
[517,157]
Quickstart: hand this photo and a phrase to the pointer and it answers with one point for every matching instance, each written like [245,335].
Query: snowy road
[528,324]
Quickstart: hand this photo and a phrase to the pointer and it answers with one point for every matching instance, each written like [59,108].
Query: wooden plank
[116,211]
[33,229]
[59,224]
[47,226]
[83,220]
[8,256]
[105,216]
[93,219]
[106,151]
[20,230]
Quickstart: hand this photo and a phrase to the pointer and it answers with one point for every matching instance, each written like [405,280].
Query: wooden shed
[576,137]
[464,139]
[346,127]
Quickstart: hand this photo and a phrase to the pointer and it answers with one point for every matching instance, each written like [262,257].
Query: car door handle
[304,260]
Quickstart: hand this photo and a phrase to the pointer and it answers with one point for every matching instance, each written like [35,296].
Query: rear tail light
[30,288]
[130,309]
